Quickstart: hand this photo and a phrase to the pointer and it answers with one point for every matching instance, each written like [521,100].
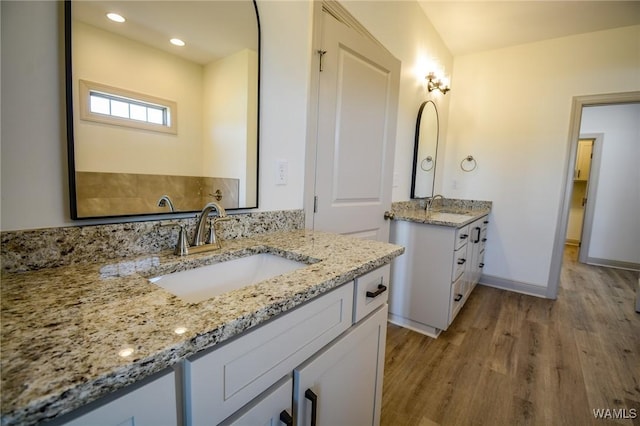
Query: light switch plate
[282,172]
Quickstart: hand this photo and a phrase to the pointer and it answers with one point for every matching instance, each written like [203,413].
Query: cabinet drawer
[459,263]
[462,236]
[457,298]
[151,402]
[376,285]
[226,378]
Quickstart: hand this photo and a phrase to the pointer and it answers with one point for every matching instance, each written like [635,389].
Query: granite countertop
[455,213]
[63,329]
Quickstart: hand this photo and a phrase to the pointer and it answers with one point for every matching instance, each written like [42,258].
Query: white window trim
[85,111]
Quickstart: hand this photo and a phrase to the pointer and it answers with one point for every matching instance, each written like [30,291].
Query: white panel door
[357,113]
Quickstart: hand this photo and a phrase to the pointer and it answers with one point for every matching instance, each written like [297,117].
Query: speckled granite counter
[63,328]
[450,212]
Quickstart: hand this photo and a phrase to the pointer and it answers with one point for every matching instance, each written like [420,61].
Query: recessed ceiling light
[115,17]
[177,42]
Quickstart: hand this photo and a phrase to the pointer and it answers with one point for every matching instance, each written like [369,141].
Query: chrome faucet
[199,236]
[166,201]
[430,201]
[200,243]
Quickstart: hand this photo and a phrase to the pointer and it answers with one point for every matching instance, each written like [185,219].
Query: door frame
[592,191]
[572,148]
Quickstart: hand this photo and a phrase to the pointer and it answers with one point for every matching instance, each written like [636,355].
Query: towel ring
[470,159]
[427,160]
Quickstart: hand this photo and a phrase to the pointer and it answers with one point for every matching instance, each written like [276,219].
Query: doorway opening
[568,190]
[579,192]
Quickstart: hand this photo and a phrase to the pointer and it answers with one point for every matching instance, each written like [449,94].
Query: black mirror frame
[416,146]
[68,65]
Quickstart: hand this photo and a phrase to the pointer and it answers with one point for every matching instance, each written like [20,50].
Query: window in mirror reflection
[107,104]
[119,107]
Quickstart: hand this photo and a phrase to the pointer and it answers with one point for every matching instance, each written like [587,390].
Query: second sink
[198,284]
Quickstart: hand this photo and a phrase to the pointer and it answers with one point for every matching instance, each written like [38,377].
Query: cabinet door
[151,403]
[583,160]
[269,409]
[342,385]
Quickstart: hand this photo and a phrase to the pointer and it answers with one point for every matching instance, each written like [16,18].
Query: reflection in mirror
[148,119]
[425,151]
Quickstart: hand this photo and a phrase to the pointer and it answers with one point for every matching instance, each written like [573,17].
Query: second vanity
[442,264]
[101,344]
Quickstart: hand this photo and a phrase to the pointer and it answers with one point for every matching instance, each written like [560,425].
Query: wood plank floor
[511,359]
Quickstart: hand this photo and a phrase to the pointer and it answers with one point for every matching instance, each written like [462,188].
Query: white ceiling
[473,25]
[211,29]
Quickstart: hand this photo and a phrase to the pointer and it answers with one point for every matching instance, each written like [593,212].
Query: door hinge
[321,53]
[315,204]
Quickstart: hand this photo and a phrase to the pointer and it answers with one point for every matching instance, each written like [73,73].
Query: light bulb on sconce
[436,83]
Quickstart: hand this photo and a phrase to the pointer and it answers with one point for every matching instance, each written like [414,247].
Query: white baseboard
[613,263]
[516,286]
[414,325]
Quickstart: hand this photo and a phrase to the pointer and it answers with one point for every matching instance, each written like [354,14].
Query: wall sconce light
[435,83]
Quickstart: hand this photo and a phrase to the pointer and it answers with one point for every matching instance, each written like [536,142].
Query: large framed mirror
[425,151]
[147,118]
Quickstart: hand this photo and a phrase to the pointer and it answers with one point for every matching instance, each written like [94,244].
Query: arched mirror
[425,152]
[148,116]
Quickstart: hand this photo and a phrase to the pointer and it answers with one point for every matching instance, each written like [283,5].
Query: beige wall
[229,118]
[105,58]
[510,109]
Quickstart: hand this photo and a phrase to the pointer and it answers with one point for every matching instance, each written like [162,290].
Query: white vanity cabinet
[151,402]
[316,346]
[438,271]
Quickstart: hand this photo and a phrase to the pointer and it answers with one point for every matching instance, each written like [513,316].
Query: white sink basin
[198,284]
[450,217]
